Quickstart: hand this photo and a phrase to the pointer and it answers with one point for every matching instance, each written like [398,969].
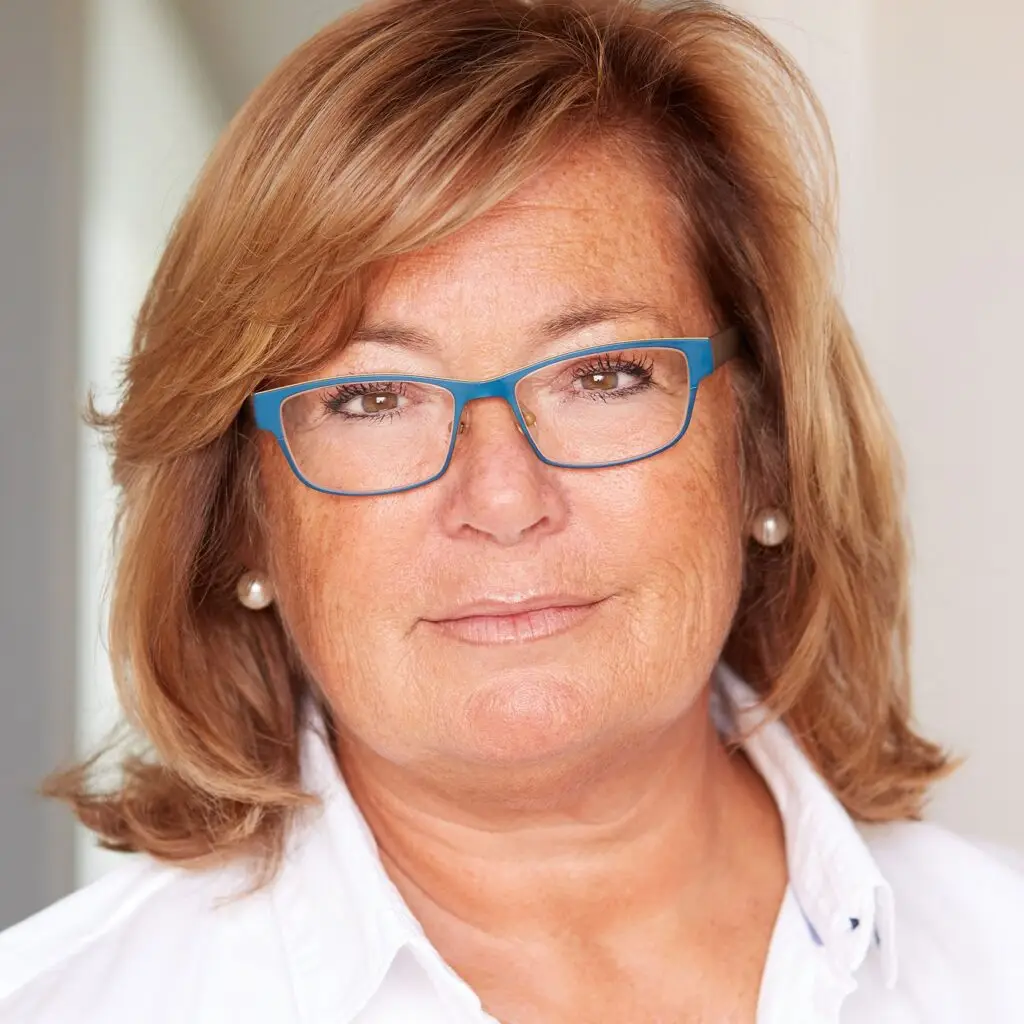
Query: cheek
[682,506]
[679,518]
[307,537]
[295,549]
[343,570]
[709,536]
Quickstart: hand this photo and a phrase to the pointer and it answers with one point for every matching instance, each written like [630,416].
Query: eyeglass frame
[703,357]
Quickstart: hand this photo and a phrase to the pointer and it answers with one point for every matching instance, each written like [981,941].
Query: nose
[496,485]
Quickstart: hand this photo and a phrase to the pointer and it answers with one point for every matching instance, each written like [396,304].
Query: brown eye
[380,402]
[600,381]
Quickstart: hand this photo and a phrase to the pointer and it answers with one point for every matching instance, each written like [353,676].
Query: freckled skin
[660,539]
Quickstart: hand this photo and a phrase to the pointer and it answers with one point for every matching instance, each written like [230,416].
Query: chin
[528,719]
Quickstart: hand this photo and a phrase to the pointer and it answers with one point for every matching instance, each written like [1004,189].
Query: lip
[512,605]
[514,620]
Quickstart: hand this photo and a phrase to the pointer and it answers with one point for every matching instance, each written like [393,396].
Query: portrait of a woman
[511,609]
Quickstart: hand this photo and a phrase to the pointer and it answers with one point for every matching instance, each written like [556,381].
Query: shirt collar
[846,901]
[343,922]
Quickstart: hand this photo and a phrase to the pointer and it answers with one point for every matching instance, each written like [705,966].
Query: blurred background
[107,110]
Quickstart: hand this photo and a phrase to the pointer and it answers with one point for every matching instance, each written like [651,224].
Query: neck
[599,843]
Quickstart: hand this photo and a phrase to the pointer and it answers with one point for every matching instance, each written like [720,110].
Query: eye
[364,400]
[613,374]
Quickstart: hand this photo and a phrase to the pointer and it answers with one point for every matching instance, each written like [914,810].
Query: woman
[512,582]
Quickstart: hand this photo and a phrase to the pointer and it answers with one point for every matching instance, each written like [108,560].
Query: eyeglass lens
[583,411]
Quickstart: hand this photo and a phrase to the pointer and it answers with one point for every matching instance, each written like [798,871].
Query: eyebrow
[569,321]
[578,318]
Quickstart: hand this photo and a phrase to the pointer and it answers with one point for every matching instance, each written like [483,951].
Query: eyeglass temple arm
[726,345]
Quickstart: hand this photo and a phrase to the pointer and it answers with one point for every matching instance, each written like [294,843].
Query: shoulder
[54,936]
[129,947]
[923,862]
[958,907]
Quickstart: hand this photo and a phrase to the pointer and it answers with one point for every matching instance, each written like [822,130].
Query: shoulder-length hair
[390,129]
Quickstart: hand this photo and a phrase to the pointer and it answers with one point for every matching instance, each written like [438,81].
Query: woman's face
[383,595]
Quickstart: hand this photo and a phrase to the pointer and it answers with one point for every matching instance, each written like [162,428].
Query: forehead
[597,225]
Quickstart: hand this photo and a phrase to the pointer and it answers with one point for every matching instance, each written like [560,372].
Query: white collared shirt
[894,924]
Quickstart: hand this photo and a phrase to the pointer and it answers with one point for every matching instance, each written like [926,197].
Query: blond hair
[390,129]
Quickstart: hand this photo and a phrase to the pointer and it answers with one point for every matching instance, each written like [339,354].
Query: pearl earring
[254,591]
[771,527]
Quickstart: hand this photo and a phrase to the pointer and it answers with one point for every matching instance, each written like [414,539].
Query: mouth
[514,622]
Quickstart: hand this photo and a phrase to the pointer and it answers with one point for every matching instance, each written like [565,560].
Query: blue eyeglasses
[591,409]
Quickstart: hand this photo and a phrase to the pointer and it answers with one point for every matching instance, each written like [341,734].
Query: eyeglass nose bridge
[528,417]
[504,388]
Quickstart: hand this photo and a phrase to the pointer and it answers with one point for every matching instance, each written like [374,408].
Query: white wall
[150,120]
